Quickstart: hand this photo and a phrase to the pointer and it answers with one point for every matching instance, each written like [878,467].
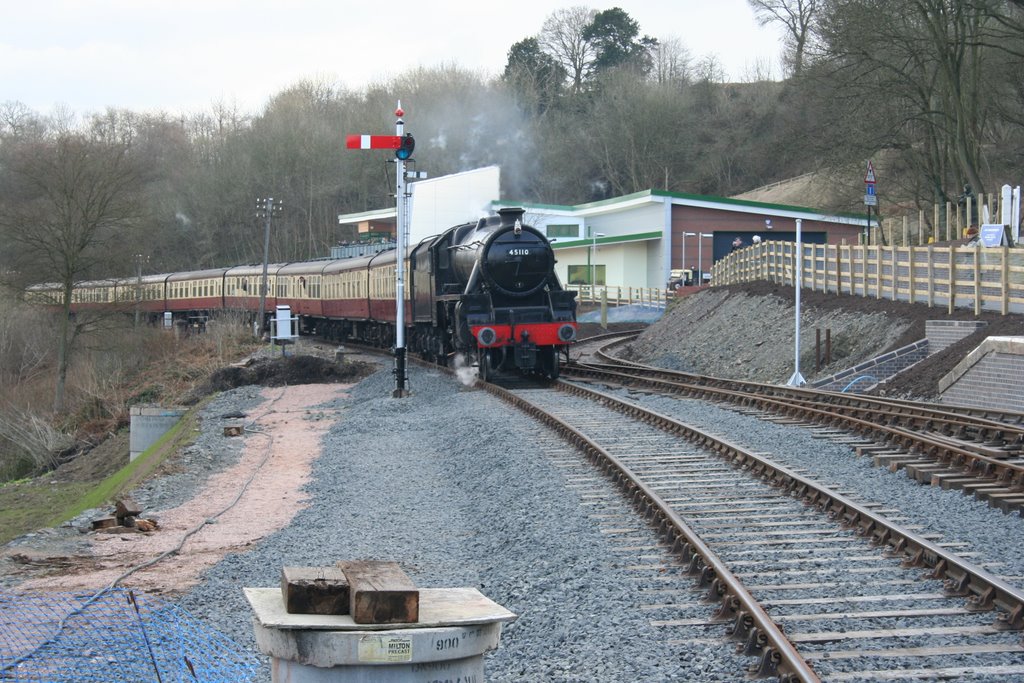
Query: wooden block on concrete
[381,593]
[314,590]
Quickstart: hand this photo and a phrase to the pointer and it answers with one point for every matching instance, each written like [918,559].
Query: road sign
[869,177]
[871,200]
[869,189]
[373,141]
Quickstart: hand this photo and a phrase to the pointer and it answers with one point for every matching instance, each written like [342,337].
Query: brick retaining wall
[943,333]
[991,376]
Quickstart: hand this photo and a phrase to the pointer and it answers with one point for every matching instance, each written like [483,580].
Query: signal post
[403,144]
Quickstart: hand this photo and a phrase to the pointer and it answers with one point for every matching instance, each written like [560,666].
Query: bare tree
[69,203]
[922,77]
[672,62]
[797,18]
[562,36]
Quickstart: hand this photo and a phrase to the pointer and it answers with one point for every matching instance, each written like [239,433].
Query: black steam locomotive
[490,288]
[487,290]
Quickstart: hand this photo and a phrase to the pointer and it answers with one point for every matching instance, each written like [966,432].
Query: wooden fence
[990,279]
[944,222]
[621,296]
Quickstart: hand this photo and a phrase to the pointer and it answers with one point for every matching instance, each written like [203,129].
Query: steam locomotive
[487,290]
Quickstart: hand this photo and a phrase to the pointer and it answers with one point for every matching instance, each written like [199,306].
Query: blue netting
[120,636]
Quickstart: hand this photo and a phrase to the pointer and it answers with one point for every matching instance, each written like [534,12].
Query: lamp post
[683,266]
[266,209]
[593,257]
[700,257]
[797,379]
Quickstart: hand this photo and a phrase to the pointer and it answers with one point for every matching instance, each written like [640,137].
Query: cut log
[381,593]
[146,525]
[314,590]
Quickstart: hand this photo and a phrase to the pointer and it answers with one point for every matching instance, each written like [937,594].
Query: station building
[636,240]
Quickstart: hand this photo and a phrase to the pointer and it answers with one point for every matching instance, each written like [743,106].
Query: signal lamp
[406,147]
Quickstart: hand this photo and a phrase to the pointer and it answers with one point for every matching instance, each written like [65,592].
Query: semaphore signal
[403,143]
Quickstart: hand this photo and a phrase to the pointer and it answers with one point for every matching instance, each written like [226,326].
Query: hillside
[746,332]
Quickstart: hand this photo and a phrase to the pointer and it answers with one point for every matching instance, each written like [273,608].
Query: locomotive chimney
[510,216]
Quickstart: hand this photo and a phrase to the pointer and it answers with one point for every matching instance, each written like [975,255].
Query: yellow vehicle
[680,278]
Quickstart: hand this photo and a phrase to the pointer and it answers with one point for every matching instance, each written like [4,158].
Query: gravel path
[448,483]
[451,483]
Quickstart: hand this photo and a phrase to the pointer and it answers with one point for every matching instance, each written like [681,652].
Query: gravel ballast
[456,487]
[451,483]
[997,537]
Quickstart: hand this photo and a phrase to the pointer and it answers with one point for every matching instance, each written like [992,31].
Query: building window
[580,275]
[570,230]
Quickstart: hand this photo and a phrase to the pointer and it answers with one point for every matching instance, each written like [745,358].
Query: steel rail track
[984,424]
[751,624]
[996,473]
[982,590]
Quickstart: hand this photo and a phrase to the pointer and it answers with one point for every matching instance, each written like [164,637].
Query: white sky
[185,55]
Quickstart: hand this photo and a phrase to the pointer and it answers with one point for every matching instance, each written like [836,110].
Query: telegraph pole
[266,209]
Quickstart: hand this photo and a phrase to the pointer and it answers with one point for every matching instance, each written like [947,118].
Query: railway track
[810,583]
[980,452]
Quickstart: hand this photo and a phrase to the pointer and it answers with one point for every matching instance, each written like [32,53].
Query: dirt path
[274,466]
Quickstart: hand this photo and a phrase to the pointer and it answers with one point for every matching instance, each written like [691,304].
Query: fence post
[952,279]
[931,276]
[910,273]
[949,217]
[814,267]
[878,271]
[1005,281]
[977,278]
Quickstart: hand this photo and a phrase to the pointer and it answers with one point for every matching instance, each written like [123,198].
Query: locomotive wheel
[549,363]
[483,359]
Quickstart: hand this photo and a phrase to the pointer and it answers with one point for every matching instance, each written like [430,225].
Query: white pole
[1015,218]
[700,260]
[400,234]
[797,379]
[700,256]
[683,266]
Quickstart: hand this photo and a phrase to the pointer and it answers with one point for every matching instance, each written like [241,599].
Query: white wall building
[630,241]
